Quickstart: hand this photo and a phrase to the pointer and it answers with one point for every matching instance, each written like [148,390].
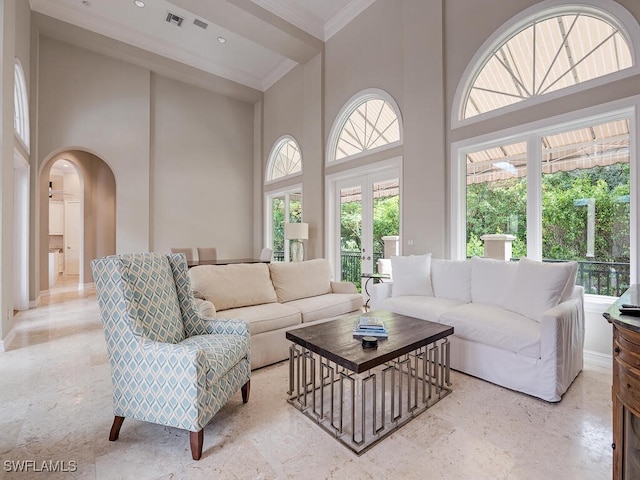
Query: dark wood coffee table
[361,395]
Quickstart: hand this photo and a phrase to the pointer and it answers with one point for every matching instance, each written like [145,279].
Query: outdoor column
[497,245]
[391,243]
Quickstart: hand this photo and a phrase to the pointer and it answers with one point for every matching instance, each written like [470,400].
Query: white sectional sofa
[272,298]
[516,324]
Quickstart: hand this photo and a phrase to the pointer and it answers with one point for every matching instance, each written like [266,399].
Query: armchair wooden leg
[246,388]
[196,439]
[115,428]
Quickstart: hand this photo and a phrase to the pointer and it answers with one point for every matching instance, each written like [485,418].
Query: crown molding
[287,10]
[350,11]
[284,67]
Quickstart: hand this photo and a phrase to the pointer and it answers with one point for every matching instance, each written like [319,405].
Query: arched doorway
[77,216]
[65,223]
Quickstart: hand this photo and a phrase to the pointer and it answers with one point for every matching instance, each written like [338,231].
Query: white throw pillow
[490,280]
[537,287]
[451,279]
[411,275]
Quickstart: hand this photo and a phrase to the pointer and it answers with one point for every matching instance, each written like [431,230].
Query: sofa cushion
[571,282]
[265,317]
[426,308]
[294,280]
[451,279]
[329,305]
[495,326]
[232,286]
[490,280]
[537,287]
[411,275]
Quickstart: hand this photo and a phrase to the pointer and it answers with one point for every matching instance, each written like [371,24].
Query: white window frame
[269,196]
[608,10]
[21,106]
[332,210]
[532,132]
[277,145]
[345,112]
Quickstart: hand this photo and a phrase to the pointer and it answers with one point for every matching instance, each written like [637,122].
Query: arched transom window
[549,52]
[21,105]
[285,159]
[368,122]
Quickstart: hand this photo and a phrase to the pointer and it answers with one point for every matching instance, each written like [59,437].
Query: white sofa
[272,298]
[516,324]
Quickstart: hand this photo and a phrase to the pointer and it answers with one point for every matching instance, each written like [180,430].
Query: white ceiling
[264,38]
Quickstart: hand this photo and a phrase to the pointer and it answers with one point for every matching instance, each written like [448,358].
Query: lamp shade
[296,231]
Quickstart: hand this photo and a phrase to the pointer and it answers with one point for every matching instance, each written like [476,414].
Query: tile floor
[55,405]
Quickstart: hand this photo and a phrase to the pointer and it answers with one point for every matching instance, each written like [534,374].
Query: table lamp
[296,232]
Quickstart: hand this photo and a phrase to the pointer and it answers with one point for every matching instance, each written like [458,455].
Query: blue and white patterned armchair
[169,365]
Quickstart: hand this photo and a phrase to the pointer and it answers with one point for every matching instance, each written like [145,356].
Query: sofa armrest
[343,287]
[378,292]
[205,308]
[562,337]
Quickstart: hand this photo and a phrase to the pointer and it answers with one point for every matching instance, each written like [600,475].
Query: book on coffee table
[370,333]
[371,326]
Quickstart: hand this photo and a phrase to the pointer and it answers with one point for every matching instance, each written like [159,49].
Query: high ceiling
[263,39]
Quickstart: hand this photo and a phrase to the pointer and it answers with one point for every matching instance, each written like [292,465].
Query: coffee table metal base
[359,410]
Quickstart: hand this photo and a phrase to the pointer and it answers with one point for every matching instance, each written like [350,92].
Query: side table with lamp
[296,232]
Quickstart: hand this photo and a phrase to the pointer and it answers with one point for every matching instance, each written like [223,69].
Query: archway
[95,204]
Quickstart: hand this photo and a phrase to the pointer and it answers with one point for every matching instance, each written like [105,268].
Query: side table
[376,278]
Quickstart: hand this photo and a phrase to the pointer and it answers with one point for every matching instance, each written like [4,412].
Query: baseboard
[598,359]
[4,344]
[35,303]
[85,286]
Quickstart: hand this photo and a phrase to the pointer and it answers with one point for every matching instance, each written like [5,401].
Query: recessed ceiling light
[222,40]
[86,3]
[138,3]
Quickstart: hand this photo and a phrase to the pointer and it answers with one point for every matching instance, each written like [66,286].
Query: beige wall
[397,46]
[14,42]
[201,170]
[100,105]
[394,46]
[182,157]
[293,106]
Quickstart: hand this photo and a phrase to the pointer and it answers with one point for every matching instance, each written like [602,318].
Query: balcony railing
[603,278]
[597,278]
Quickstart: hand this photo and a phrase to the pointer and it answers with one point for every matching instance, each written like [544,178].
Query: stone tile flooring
[55,405]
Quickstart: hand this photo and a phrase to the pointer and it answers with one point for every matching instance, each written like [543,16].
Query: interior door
[72,231]
[369,209]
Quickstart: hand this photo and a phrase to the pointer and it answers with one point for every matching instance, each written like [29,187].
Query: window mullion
[634,177]
[534,197]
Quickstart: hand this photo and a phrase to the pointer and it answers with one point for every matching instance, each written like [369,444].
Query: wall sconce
[50,189]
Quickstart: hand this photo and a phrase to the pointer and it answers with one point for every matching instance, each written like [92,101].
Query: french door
[367,208]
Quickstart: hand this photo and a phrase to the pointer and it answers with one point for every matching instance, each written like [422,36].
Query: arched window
[21,105]
[550,50]
[283,203]
[558,188]
[285,159]
[369,121]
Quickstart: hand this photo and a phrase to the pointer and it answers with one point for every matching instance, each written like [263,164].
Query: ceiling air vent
[199,23]
[174,19]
